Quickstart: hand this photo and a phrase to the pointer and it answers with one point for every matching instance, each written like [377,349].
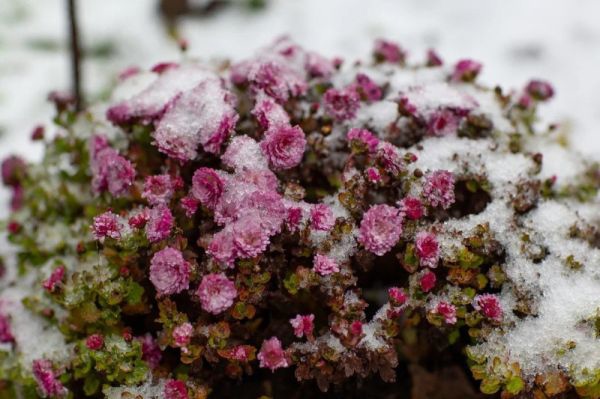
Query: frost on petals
[321,217]
[427,248]
[364,138]
[182,334]
[160,223]
[303,325]
[388,51]
[412,208]
[55,278]
[207,187]
[489,306]
[284,146]
[250,238]
[272,355]
[169,271]
[324,265]
[446,310]
[438,189]
[158,189]
[203,116]
[47,381]
[175,389]
[380,228]
[111,172]
[466,70]
[106,225]
[341,104]
[216,293]
[6,335]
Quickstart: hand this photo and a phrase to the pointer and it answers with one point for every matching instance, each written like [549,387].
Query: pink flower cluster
[6,335]
[380,229]
[438,189]
[107,225]
[188,105]
[216,293]
[303,325]
[55,278]
[489,306]
[110,171]
[272,355]
[169,271]
[47,380]
[324,265]
[427,248]
[363,137]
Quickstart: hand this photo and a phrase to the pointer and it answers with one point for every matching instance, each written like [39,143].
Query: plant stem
[75,55]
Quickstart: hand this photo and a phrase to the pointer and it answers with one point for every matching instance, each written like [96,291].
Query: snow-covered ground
[557,40]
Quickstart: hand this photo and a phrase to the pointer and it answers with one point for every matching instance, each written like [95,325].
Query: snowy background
[516,40]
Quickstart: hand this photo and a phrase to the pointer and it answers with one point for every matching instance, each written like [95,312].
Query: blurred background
[516,40]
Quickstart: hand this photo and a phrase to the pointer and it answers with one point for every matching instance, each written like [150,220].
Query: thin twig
[75,55]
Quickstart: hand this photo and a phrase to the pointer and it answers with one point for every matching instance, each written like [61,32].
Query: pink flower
[412,208]
[466,70]
[277,79]
[433,58]
[111,172]
[364,137]
[54,279]
[241,353]
[94,342]
[397,296]
[250,238]
[12,170]
[388,51]
[169,271]
[427,248]
[272,355]
[443,122]
[175,389]
[356,328]
[438,188]
[106,225]
[151,353]
[324,265]
[373,175]
[390,158]
[321,217]
[222,247]
[447,311]
[47,381]
[189,204]
[160,223]
[427,281]
[207,187]
[38,133]
[182,334]
[284,146]
[158,189]
[6,335]
[269,113]
[368,90]
[489,306]
[293,218]
[303,325]
[204,115]
[139,220]
[380,228]
[318,66]
[541,90]
[341,104]
[216,293]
